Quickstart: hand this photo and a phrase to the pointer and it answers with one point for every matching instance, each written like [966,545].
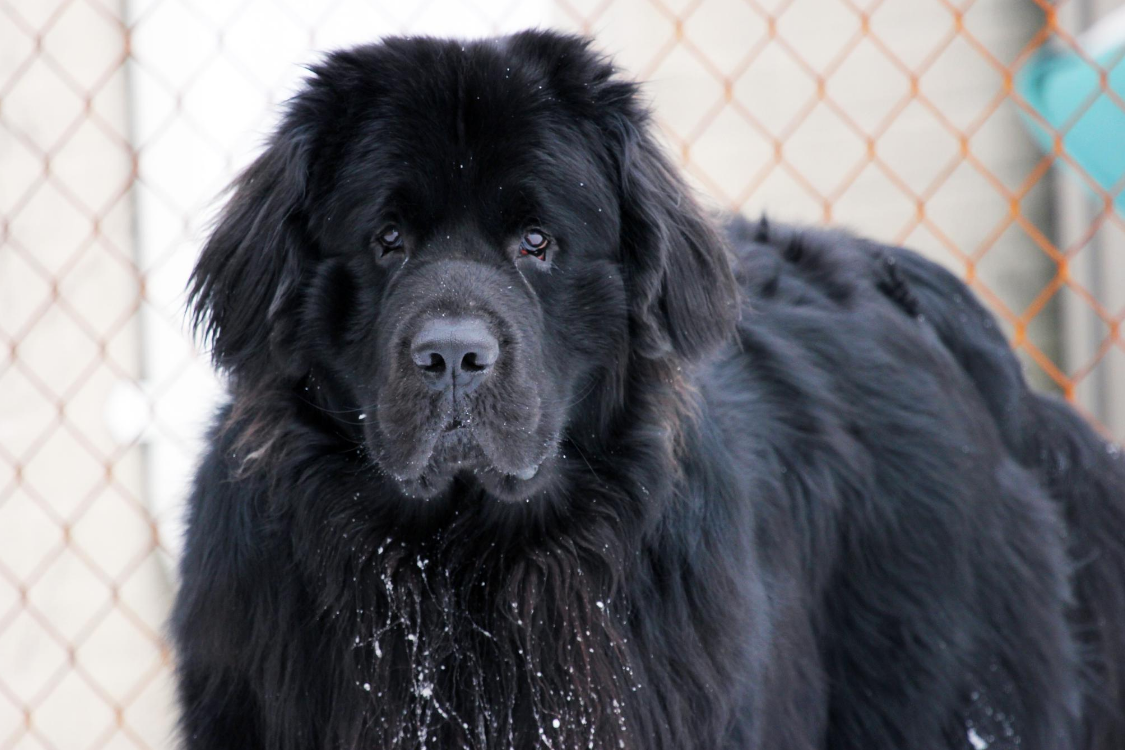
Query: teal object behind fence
[1059,86]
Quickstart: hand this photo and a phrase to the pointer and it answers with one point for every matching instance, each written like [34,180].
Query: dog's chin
[457,454]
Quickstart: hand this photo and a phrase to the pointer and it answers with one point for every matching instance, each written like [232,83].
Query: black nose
[454,353]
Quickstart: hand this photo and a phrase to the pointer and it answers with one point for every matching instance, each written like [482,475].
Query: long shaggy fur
[792,490]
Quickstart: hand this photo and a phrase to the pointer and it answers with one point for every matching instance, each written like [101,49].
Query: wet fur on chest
[449,642]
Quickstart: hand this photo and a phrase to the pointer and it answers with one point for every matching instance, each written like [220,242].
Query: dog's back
[1082,472]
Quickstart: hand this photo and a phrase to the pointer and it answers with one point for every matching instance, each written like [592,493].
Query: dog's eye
[390,239]
[535,243]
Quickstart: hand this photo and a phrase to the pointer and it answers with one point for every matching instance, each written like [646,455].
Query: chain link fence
[120,123]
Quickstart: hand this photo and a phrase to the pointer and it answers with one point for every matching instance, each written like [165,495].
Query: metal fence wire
[120,121]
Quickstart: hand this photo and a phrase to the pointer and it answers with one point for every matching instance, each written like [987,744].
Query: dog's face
[464,241]
[469,273]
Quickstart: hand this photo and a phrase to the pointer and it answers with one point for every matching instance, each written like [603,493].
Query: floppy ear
[243,291]
[681,284]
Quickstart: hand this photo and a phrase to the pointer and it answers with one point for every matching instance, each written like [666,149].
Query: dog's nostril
[472,363]
[436,363]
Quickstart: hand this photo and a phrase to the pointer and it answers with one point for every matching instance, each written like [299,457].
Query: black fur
[790,489]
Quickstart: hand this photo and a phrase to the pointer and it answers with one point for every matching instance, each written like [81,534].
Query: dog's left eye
[390,239]
[535,243]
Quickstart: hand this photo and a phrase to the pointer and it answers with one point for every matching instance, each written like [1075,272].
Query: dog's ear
[243,291]
[679,272]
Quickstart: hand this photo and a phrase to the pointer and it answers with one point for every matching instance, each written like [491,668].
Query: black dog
[523,452]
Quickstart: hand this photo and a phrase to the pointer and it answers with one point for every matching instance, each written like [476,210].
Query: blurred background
[988,134]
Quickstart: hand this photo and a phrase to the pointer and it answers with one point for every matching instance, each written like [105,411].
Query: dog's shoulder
[797,265]
[833,269]
[227,558]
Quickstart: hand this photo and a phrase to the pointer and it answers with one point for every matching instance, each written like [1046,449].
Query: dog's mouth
[458,453]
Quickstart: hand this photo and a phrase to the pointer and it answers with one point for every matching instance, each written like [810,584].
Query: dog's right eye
[389,240]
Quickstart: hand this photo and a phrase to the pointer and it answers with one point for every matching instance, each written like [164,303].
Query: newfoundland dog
[525,450]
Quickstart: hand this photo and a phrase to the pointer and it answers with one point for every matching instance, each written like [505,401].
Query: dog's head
[462,241]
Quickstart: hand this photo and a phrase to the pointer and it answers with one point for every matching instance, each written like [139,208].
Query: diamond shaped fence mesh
[907,120]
